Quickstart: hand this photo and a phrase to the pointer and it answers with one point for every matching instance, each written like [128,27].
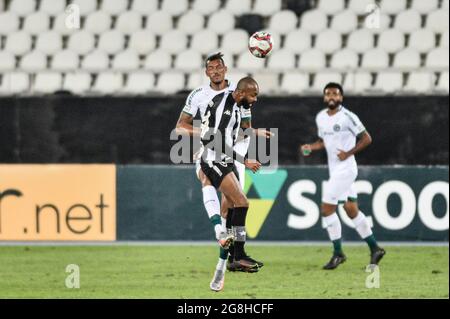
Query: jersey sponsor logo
[227,112]
[191,97]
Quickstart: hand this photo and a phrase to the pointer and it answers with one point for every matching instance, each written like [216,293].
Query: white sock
[362,225]
[334,227]
[221,264]
[212,206]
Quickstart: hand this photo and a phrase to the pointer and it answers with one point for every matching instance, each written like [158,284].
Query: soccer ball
[260,44]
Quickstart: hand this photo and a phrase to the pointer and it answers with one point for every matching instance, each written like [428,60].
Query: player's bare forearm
[246,124]
[318,145]
[185,125]
[364,140]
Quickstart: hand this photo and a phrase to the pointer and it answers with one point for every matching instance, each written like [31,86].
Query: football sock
[212,206]
[334,230]
[238,226]
[363,228]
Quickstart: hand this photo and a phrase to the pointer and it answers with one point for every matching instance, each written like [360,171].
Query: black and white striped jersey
[220,127]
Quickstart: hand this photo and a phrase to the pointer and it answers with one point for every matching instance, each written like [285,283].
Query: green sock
[223,253]
[371,242]
[216,220]
[337,244]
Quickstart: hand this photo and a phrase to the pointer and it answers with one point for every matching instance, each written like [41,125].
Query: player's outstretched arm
[307,149]
[364,140]
[185,125]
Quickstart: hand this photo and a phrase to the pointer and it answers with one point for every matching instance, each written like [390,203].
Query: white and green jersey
[339,132]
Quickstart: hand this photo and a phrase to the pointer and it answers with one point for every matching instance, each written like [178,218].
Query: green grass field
[185,272]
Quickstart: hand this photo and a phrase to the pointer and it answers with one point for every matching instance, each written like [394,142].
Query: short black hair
[334,85]
[246,82]
[213,57]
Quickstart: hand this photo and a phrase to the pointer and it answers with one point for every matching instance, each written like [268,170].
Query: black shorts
[216,172]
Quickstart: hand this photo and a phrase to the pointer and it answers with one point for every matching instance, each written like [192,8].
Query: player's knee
[242,201]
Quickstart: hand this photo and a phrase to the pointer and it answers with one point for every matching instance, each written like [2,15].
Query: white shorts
[340,188]
[239,166]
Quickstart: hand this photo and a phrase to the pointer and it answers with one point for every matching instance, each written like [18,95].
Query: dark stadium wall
[124,130]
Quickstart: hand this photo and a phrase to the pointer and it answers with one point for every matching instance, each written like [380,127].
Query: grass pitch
[185,272]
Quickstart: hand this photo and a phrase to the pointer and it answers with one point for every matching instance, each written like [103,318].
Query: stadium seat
[344,22]
[322,78]
[329,41]
[114,7]
[298,41]
[18,43]
[235,41]
[247,62]
[238,7]
[360,7]
[143,42]
[295,83]
[393,7]
[437,21]
[108,83]
[425,6]
[313,21]
[422,40]
[36,23]
[437,59]
[174,7]
[158,60]
[195,80]
[191,22]
[346,59]
[283,22]
[312,60]
[221,22]
[444,40]
[188,61]
[383,24]
[235,76]
[98,22]
[266,7]
[445,4]
[281,60]
[331,7]
[129,22]
[443,82]
[268,82]
[9,22]
[170,82]
[139,83]
[389,82]
[360,40]
[144,7]
[205,41]
[127,60]
[49,42]
[159,22]
[59,25]
[375,59]
[420,82]
[77,83]
[407,59]
[391,41]
[34,61]
[95,61]
[250,22]
[112,42]
[174,41]
[52,7]
[408,21]
[86,6]
[206,7]
[81,42]
[358,83]
[15,83]
[22,7]
[7,61]
[65,60]
[47,82]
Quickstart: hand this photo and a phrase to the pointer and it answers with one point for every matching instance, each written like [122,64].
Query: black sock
[239,249]
[238,224]
[229,218]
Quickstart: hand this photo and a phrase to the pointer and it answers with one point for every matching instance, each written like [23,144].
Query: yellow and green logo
[266,187]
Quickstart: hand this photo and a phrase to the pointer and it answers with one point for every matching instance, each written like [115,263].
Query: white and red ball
[260,44]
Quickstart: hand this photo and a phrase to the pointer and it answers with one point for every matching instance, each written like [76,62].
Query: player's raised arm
[307,149]
[185,125]
[364,140]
